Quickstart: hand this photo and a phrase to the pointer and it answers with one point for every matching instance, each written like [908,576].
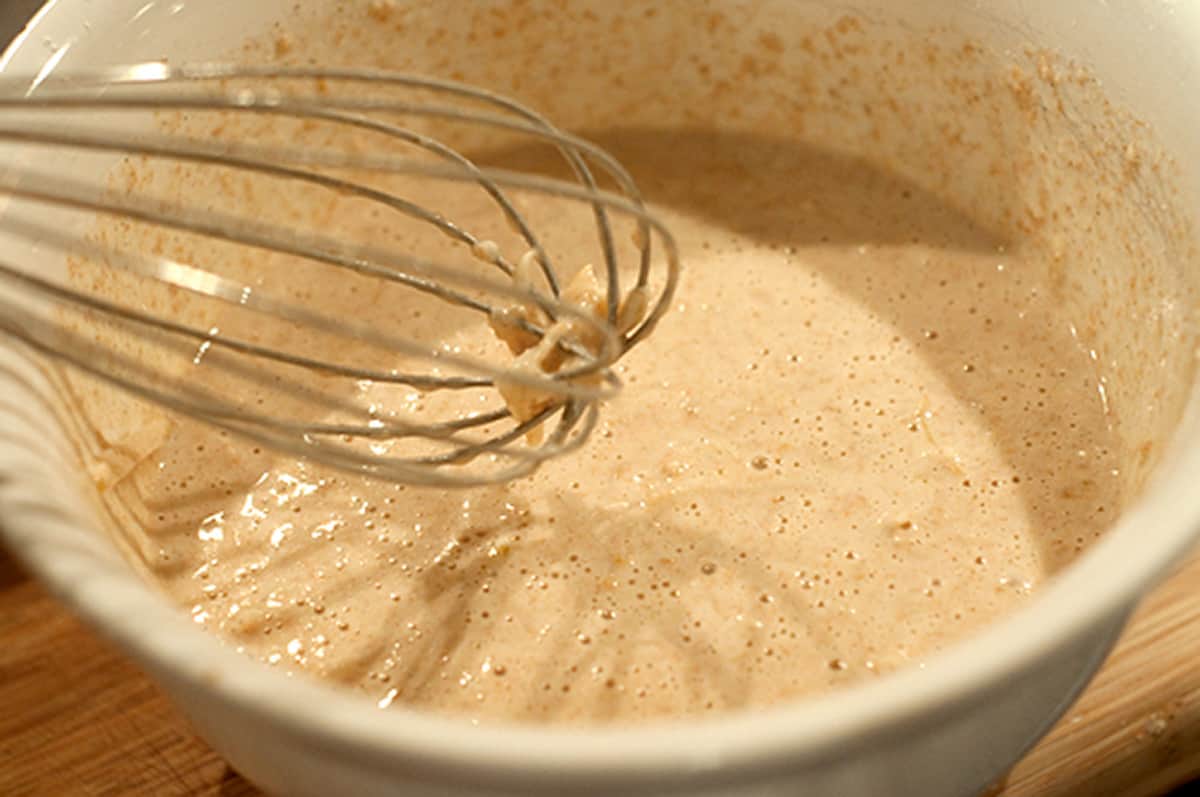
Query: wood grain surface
[77,718]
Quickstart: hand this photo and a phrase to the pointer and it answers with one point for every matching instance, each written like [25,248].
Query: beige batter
[861,433]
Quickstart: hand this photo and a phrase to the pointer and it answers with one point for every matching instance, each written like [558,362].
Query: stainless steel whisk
[322,422]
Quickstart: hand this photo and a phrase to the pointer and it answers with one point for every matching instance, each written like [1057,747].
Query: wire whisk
[119,257]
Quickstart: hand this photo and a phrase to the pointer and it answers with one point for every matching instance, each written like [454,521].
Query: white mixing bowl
[948,728]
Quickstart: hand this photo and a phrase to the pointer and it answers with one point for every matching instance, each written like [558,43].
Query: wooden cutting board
[77,718]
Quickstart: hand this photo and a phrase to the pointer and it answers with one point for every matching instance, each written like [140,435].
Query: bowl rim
[1101,586]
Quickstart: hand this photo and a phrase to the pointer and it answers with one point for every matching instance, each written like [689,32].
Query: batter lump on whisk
[544,355]
[855,438]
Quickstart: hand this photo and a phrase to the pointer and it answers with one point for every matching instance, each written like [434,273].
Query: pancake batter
[837,454]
